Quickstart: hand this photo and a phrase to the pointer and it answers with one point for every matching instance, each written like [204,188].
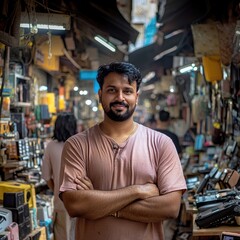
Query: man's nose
[120,96]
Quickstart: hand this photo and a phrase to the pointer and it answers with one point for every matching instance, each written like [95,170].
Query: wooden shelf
[215,231]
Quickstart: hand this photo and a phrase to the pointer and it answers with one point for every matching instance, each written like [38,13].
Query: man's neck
[162,125]
[119,131]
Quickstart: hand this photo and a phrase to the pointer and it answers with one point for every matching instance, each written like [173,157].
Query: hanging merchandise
[200,137]
[199,108]
[218,134]
[61,99]
[234,80]
[212,68]
[51,102]
[229,117]
[226,35]
[205,39]
[5,113]
[235,89]
[172,99]
[225,83]
[236,46]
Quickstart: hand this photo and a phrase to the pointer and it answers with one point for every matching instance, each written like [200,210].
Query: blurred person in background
[65,127]
[151,122]
[163,126]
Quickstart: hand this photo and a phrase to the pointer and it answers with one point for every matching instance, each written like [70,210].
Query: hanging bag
[212,68]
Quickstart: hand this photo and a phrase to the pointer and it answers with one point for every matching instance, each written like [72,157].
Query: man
[163,126]
[119,178]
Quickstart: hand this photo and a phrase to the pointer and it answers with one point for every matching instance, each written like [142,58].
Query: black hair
[65,126]
[152,119]
[164,116]
[124,68]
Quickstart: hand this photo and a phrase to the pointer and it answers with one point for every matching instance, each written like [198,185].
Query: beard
[116,115]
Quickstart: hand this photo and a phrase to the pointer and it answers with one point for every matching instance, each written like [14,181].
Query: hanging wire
[49,34]
[50,9]
[49,44]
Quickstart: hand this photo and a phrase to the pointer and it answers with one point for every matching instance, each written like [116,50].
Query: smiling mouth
[118,107]
[118,104]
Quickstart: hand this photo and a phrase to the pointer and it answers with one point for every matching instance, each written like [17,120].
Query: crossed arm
[137,202]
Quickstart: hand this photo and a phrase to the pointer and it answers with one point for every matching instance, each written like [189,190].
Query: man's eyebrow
[110,86]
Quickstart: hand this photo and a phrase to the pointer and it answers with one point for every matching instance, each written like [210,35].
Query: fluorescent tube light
[162,54]
[174,33]
[148,87]
[105,43]
[186,69]
[148,77]
[43,26]
[50,21]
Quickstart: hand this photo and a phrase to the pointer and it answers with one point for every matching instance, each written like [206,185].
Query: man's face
[118,97]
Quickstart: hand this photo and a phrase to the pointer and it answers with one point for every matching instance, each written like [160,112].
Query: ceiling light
[172,89]
[42,26]
[162,54]
[83,92]
[43,88]
[45,21]
[149,76]
[75,88]
[88,102]
[148,87]
[105,43]
[174,33]
[94,109]
[186,69]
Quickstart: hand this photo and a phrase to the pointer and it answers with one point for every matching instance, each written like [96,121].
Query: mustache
[119,103]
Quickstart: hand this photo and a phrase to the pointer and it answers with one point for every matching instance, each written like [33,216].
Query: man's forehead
[120,84]
[116,78]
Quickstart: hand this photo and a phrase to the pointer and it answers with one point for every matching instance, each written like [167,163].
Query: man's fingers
[83,183]
[82,186]
[88,182]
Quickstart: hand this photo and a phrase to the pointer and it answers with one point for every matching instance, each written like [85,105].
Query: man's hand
[83,183]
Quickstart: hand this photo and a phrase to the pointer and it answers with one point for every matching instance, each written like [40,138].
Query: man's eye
[111,90]
[128,91]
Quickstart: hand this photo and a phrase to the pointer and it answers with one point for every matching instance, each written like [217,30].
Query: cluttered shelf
[208,232]
[211,202]
[214,231]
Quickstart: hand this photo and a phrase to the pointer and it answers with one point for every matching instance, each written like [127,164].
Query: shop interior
[188,54]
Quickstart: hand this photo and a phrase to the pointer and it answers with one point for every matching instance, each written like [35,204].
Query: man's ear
[100,96]
[137,98]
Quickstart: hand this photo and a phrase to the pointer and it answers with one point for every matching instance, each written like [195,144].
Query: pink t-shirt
[147,156]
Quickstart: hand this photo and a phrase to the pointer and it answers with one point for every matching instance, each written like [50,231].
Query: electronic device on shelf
[226,178]
[226,213]
[212,197]
[230,236]
[206,178]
